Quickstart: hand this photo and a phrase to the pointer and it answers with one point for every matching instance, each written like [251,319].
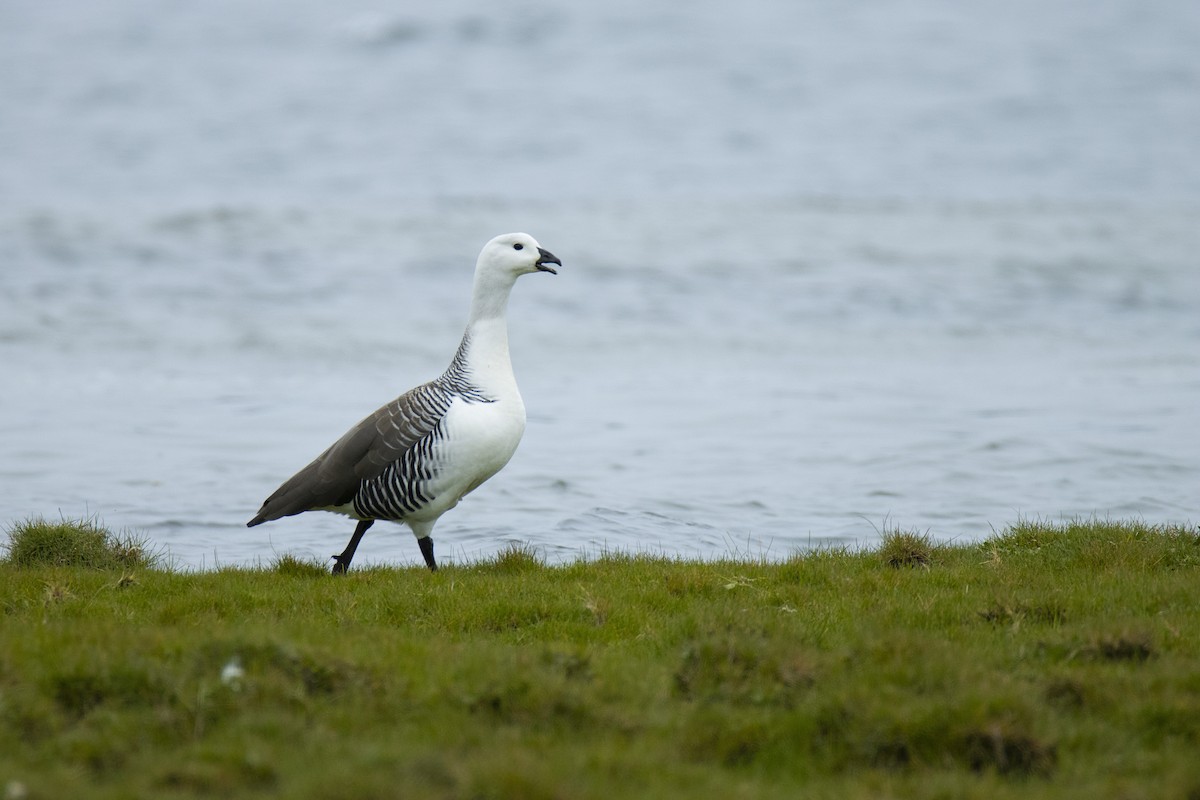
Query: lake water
[829,267]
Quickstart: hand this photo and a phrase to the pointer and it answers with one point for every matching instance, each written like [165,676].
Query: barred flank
[414,426]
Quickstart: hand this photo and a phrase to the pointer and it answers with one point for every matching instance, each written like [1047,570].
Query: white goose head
[501,262]
[516,254]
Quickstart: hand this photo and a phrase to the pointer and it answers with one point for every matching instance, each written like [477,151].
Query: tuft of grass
[75,543]
[906,549]
[515,559]
[288,564]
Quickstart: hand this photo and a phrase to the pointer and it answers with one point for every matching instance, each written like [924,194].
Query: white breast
[478,440]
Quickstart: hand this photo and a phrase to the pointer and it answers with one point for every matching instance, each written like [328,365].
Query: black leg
[427,551]
[342,563]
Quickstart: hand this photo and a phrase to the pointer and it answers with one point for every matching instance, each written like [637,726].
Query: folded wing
[363,453]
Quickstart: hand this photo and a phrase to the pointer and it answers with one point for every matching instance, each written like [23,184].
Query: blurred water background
[829,267]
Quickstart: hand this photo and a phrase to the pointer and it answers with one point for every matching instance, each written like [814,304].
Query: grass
[1047,661]
[83,543]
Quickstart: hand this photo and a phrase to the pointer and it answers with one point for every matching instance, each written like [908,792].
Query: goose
[415,458]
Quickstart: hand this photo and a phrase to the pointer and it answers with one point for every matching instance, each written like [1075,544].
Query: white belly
[479,439]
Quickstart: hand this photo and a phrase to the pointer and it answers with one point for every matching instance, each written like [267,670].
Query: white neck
[489,295]
[487,352]
[487,357]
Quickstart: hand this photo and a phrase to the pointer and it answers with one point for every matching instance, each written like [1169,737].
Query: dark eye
[518,246]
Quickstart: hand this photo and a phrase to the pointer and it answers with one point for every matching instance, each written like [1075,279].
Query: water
[827,266]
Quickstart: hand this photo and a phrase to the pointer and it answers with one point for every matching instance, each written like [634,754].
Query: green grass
[1046,662]
[67,543]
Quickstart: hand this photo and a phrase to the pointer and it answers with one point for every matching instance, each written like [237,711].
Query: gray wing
[334,477]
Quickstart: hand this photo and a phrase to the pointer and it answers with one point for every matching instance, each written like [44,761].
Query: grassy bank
[1048,661]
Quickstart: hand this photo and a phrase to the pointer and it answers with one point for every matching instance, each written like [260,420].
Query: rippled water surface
[828,267]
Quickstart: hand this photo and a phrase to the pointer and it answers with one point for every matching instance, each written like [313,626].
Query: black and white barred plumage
[416,457]
[383,463]
[403,487]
